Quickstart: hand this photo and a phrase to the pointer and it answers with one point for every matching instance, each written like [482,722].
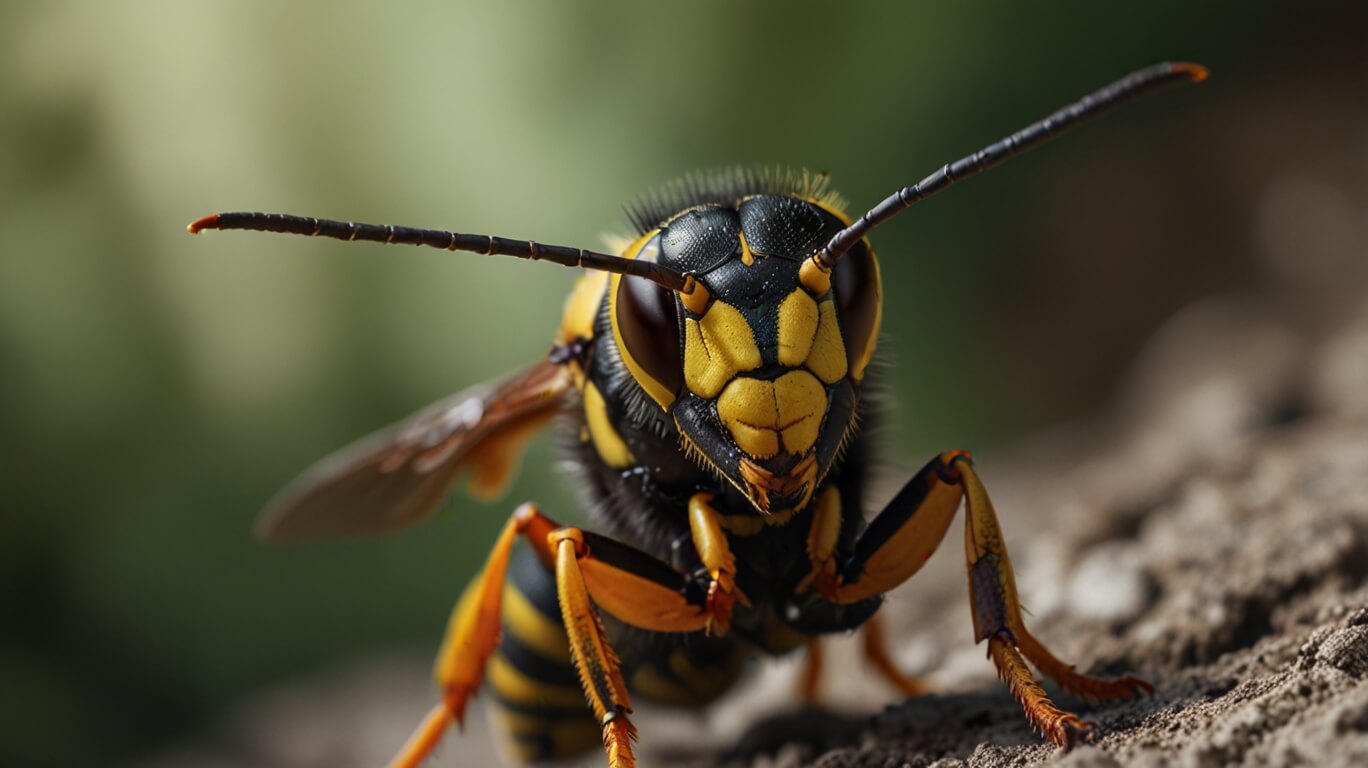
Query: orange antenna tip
[1195,72]
[203,222]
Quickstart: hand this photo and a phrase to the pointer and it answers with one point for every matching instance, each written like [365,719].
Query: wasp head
[760,362]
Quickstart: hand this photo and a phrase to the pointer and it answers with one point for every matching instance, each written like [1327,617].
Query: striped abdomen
[536,701]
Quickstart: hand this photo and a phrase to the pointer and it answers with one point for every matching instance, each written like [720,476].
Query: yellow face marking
[605,438]
[819,282]
[810,335]
[827,358]
[760,413]
[797,328]
[748,410]
[747,255]
[716,348]
[802,403]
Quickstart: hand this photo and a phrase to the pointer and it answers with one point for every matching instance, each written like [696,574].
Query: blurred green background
[157,388]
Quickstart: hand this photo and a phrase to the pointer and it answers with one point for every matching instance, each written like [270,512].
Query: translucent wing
[401,474]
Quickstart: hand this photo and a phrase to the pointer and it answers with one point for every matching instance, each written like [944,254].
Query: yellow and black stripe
[536,697]
[691,674]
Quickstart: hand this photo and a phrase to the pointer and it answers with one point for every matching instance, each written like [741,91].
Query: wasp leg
[808,689]
[705,525]
[633,587]
[628,583]
[599,670]
[472,634]
[876,651]
[821,545]
[1090,689]
[821,549]
[900,540]
[897,543]
[998,616]
[810,679]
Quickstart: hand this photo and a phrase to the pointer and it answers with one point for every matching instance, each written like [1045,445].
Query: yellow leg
[472,635]
[705,526]
[810,680]
[598,665]
[633,586]
[640,591]
[821,544]
[1089,689]
[997,608]
[901,538]
[425,739]
[1063,728]
[876,652]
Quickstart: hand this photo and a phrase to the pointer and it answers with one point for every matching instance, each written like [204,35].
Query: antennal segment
[1093,104]
[451,241]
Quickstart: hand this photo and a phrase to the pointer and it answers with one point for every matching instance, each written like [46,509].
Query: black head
[760,366]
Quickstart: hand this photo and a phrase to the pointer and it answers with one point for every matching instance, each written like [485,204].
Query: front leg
[705,525]
[823,538]
[904,535]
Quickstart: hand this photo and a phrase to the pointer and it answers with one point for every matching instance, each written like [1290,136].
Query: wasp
[712,378]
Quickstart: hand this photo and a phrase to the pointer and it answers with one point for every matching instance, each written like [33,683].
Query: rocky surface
[1211,536]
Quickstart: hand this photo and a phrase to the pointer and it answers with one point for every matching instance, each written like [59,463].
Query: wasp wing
[401,474]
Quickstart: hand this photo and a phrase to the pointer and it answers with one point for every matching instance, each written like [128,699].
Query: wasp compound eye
[859,298]
[646,318]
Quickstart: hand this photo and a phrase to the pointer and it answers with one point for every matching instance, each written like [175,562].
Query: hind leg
[875,648]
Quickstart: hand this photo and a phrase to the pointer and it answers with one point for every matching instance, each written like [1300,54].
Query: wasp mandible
[712,378]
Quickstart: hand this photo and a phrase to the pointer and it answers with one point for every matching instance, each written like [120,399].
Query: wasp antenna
[446,240]
[203,222]
[1095,103]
